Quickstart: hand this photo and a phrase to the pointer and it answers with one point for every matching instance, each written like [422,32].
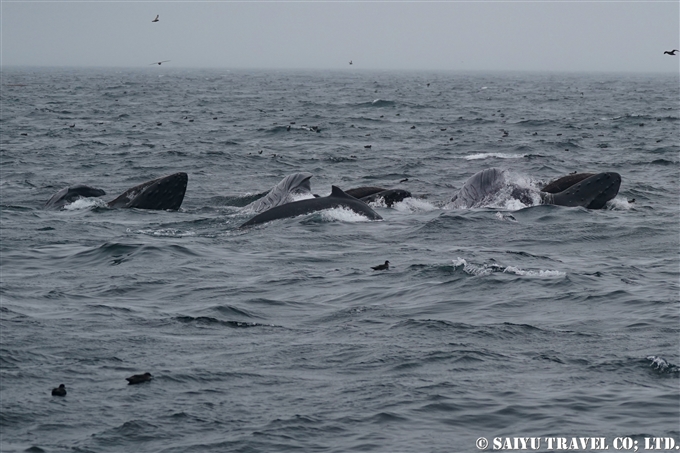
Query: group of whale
[588,190]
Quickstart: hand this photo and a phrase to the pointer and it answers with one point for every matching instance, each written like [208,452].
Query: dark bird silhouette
[156,19]
[139,378]
[350,61]
[381,267]
[159,62]
[671,52]
[59,391]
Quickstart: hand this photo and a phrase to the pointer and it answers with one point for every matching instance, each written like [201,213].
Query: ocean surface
[495,322]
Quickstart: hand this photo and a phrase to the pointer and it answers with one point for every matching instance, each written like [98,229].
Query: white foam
[512,204]
[301,196]
[85,203]
[619,204]
[163,232]
[504,217]
[479,156]
[407,205]
[548,273]
[487,269]
[343,215]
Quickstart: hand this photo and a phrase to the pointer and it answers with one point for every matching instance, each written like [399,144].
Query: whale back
[389,196]
[336,199]
[283,192]
[365,191]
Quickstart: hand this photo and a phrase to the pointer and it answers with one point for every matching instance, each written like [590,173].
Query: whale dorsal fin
[337,192]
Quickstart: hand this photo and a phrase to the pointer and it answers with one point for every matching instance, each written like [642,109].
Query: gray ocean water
[501,321]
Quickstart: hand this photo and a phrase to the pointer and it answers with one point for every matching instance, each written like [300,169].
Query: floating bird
[59,391]
[156,19]
[367,146]
[381,267]
[404,180]
[159,62]
[139,378]
[669,52]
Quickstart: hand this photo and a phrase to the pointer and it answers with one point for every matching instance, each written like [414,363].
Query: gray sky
[417,35]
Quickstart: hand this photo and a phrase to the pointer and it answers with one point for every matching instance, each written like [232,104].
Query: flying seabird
[350,61]
[159,62]
[156,19]
[671,52]
[381,267]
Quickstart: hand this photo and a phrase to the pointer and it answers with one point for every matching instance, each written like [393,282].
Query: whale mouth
[164,193]
[609,192]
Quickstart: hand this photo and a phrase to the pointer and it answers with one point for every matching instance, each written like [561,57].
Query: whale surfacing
[70,194]
[588,190]
[283,192]
[337,199]
[373,194]
[164,193]
[592,192]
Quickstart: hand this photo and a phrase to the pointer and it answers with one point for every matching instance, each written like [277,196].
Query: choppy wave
[481,156]
[484,270]
[285,338]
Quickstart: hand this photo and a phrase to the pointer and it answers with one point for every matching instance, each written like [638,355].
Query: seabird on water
[671,52]
[381,267]
[59,391]
[139,378]
[159,62]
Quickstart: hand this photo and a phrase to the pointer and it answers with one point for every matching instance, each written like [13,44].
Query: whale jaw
[165,193]
[592,192]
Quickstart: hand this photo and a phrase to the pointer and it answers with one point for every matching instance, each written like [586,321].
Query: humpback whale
[372,194]
[337,199]
[565,182]
[283,192]
[588,190]
[70,194]
[166,192]
[592,192]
